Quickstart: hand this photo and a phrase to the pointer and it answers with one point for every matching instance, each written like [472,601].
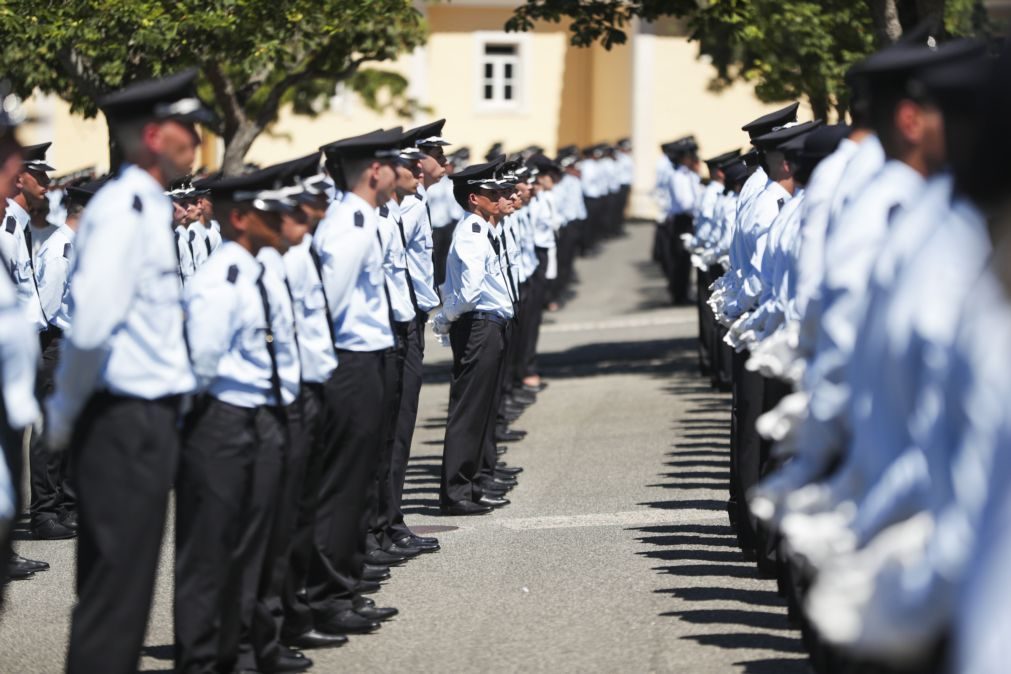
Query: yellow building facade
[493,86]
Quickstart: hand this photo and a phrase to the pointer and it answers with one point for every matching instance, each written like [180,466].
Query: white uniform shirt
[315,344]
[352,259]
[414,213]
[127,334]
[683,190]
[14,249]
[19,357]
[395,262]
[475,274]
[186,251]
[626,167]
[52,271]
[228,329]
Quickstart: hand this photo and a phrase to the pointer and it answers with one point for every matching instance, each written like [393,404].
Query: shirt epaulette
[384,211]
[780,203]
[233,274]
[138,205]
[359,219]
[192,234]
[66,250]
[11,224]
[476,228]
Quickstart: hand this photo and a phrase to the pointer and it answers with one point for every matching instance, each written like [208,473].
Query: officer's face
[407,181]
[192,211]
[178,213]
[314,211]
[433,164]
[934,148]
[205,207]
[175,146]
[384,177]
[294,226]
[34,186]
[523,192]
[10,169]
[505,203]
[264,229]
[485,202]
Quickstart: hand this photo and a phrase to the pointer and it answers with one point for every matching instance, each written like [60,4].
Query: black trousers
[707,325]
[489,456]
[442,237]
[478,348]
[407,417]
[517,348]
[297,612]
[11,440]
[624,194]
[268,619]
[745,448]
[378,534]
[531,323]
[126,452]
[682,260]
[595,216]
[52,494]
[226,497]
[663,250]
[354,427]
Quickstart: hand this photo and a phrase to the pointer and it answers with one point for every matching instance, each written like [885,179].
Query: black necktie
[31,263]
[316,262]
[407,269]
[386,289]
[275,377]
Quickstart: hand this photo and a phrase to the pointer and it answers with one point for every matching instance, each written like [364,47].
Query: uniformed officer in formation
[855,272]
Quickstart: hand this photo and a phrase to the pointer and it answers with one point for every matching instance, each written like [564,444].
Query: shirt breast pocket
[491,266]
[374,272]
[314,300]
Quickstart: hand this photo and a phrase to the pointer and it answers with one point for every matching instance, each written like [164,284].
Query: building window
[500,74]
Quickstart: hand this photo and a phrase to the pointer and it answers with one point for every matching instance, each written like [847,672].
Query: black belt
[487,316]
[49,335]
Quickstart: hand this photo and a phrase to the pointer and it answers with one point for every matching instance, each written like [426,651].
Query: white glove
[440,328]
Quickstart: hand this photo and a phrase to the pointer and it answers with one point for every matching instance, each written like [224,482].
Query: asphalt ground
[614,556]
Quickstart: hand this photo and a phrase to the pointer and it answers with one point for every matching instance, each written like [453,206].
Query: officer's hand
[440,325]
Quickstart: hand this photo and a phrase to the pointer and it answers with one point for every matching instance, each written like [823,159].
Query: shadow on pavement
[703,561]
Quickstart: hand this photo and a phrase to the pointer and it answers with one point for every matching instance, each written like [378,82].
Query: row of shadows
[699,564]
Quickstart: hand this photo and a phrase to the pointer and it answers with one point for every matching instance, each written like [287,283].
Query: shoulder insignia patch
[384,211]
[476,228]
[10,224]
[233,274]
[192,235]
[138,205]
[780,203]
[66,250]
[359,219]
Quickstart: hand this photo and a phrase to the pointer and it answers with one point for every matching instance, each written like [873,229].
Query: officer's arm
[343,249]
[19,355]
[211,322]
[470,250]
[54,268]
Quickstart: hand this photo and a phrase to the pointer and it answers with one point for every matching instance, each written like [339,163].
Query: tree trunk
[931,12]
[238,145]
[819,106]
[887,27]
[115,153]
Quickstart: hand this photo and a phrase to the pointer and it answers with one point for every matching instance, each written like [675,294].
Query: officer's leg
[748,448]
[489,454]
[11,440]
[407,418]
[126,455]
[255,555]
[297,613]
[211,497]
[705,324]
[477,351]
[377,534]
[269,616]
[355,398]
[533,328]
[45,467]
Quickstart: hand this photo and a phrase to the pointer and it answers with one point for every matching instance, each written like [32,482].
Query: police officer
[123,372]
[351,257]
[476,309]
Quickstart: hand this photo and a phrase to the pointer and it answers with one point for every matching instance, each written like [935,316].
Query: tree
[787,49]
[254,55]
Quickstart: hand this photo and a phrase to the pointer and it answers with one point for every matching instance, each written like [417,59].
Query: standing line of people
[256,344]
[854,297]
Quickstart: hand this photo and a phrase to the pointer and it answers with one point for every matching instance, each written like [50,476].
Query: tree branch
[224,93]
[268,111]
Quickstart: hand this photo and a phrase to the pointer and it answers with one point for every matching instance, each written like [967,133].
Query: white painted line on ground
[619,324]
[619,519]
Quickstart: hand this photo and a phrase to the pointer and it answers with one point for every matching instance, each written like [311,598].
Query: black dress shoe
[405,551]
[524,397]
[376,613]
[536,389]
[423,543]
[504,481]
[375,572]
[499,451]
[380,557]
[32,565]
[492,501]
[51,530]
[367,587]
[287,661]
[316,639]
[17,572]
[346,622]
[508,434]
[69,520]
[464,508]
[503,469]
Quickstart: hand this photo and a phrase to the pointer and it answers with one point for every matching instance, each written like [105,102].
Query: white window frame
[520,81]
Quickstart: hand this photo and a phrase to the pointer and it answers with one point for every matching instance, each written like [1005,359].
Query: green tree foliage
[254,55]
[788,49]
